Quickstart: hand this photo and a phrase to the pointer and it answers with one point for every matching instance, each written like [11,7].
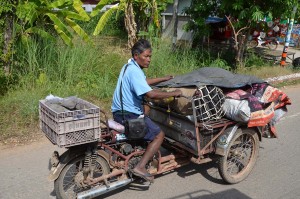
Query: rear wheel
[272,45]
[252,44]
[69,181]
[241,156]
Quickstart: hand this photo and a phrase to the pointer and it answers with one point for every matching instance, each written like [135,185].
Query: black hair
[140,46]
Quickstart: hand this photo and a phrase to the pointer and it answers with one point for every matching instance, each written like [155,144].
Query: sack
[135,128]
[180,105]
[183,105]
[237,110]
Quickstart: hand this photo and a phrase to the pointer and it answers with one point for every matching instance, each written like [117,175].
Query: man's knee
[161,135]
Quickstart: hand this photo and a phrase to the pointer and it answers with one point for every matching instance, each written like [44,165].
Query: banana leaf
[78,29]
[63,35]
[103,20]
[99,6]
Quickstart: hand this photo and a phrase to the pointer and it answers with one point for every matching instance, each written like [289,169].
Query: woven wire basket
[208,104]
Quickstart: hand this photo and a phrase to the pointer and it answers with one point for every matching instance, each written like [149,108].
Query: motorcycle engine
[133,162]
[126,149]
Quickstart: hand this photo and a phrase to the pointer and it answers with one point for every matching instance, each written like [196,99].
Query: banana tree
[35,15]
[7,9]
[142,12]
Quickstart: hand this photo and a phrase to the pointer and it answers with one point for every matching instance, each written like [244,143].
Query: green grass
[19,114]
[281,84]
[90,72]
[265,72]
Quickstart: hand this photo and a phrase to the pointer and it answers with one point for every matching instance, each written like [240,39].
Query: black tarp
[211,76]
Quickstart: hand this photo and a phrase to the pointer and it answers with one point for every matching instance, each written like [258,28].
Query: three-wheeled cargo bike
[99,160]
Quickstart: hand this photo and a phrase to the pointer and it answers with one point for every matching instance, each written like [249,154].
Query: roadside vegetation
[39,66]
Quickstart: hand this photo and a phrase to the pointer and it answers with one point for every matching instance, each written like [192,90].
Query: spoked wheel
[70,183]
[241,156]
[252,44]
[272,45]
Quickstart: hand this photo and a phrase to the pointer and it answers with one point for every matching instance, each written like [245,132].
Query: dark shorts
[152,129]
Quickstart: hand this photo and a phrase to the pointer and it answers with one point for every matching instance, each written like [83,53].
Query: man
[135,86]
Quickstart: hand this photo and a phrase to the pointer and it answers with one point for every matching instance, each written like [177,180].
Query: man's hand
[168,77]
[177,93]
[153,81]
[158,94]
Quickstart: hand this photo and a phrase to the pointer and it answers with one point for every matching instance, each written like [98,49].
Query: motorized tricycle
[99,160]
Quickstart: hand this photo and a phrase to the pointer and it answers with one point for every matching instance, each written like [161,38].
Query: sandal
[145,176]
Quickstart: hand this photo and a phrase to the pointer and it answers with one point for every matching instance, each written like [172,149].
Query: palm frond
[258,15]
[59,3]
[77,4]
[57,22]
[78,29]
[73,15]
[62,34]
[39,31]
[99,6]
[103,20]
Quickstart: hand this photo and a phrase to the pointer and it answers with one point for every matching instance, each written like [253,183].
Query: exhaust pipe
[97,191]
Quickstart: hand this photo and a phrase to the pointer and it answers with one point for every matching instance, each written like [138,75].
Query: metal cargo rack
[195,133]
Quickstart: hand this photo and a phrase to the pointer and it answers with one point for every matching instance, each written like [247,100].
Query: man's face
[144,58]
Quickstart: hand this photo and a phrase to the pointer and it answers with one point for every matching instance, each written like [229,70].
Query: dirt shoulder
[27,139]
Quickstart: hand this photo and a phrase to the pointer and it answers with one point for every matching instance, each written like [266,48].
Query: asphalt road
[276,174]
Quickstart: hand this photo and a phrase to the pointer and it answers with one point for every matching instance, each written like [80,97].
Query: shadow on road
[208,171]
[206,194]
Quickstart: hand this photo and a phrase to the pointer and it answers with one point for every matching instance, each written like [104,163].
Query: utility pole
[288,37]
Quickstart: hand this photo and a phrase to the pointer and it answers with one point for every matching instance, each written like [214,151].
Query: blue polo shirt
[134,86]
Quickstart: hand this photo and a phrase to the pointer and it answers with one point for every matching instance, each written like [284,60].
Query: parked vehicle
[99,161]
[269,42]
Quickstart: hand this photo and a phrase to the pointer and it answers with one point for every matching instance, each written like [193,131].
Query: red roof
[93,2]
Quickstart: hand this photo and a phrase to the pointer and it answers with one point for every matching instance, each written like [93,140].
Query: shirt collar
[135,63]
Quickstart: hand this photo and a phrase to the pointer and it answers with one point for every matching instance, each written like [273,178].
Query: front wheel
[272,45]
[240,157]
[69,181]
[252,44]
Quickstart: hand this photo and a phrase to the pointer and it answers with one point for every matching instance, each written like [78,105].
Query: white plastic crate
[70,128]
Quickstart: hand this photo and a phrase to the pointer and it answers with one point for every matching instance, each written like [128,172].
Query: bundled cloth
[248,99]
[259,105]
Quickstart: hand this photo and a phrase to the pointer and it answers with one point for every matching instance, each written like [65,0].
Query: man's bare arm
[153,81]
[157,94]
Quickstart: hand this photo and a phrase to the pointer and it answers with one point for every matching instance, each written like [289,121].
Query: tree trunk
[8,37]
[240,51]
[175,19]
[130,24]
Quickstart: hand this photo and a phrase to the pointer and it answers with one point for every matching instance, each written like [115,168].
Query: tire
[241,156]
[65,185]
[272,45]
[296,63]
[252,44]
